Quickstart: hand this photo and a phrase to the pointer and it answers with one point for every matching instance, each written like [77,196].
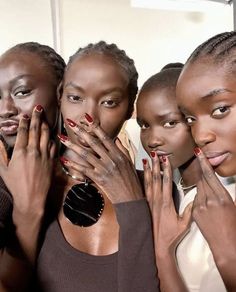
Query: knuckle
[156,177]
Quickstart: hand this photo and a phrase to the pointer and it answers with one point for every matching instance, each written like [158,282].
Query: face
[162,126]
[97,85]
[24,83]
[207,97]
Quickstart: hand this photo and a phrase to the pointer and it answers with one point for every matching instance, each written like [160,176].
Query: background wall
[151,37]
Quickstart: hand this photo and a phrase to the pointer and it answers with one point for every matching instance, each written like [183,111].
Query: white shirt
[194,256]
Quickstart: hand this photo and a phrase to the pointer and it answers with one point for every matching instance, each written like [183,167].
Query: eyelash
[22,92]
[221,114]
[74,98]
[170,126]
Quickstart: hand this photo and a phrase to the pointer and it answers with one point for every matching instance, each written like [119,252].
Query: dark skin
[164,135]
[98,85]
[25,82]
[210,112]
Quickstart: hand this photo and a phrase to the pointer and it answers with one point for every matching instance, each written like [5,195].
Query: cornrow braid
[216,48]
[53,60]
[122,59]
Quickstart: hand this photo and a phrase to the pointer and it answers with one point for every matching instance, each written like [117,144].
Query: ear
[59,92]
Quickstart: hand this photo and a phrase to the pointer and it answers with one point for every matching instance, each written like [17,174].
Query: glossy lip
[163,153]
[216,158]
[9,127]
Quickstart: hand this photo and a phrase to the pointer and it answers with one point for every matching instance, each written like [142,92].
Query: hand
[168,227]
[215,213]
[110,168]
[28,174]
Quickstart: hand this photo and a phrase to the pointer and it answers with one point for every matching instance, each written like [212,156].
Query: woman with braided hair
[96,227]
[206,94]
[29,76]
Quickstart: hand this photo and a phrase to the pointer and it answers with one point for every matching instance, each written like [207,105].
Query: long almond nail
[71,123]
[63,138]
[88,118]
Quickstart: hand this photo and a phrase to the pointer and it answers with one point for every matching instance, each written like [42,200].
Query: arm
[32,158]
[168,227]
[136,258]
[213,206]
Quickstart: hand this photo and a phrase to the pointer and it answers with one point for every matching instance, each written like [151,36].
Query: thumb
[187,215]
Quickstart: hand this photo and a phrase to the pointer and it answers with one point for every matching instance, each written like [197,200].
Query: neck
[190,172]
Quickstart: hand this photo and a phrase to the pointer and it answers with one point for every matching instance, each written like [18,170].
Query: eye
[110,103]
[189,120]
[74,98]
[142,125]
[170,124]
[220,111]
[22,92]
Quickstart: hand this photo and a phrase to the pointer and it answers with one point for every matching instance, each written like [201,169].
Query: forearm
[136,258]
[17,259]
[169,274]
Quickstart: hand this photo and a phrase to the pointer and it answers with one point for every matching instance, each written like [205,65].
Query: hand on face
[168,227]
[28,174]
[109,167]
[214,212]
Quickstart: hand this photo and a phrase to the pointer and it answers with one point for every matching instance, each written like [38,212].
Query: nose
[155,139]
[93,112]
[8,108]
[202,134]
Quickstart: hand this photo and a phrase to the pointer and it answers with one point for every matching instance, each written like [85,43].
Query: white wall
[151,37]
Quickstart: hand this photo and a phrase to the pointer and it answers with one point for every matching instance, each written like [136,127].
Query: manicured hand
[109,166]
[168,227]
[215,213]
[28,174]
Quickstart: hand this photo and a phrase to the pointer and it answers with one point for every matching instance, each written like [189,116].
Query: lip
[9,127]
[216,158]
[162,153]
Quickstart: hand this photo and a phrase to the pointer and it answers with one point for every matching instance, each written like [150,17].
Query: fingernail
[197,151]
[63,138]
[63,160]
[144,161]
[39,108]
[88,118]
[164,159]
[71,123]
[153,154]
[25,116]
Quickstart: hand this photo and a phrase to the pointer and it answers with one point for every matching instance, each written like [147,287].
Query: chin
[225,171]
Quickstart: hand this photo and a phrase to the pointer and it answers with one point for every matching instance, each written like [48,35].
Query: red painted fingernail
[63,160]
[88,118]
[71,123]
[63,138]
[39,108]
[153,154]
[164,159]
[25,116]
[144,161]
[197,151]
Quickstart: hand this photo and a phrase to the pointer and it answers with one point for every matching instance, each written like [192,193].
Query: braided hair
[220,48]
[51,59]
[121,58]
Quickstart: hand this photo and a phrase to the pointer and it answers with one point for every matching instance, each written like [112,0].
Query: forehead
[157,101]
[199,79]
[21,62]
[96,66]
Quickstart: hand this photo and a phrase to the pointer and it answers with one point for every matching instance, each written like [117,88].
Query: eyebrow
[107,91]
[19,77]
[215,92]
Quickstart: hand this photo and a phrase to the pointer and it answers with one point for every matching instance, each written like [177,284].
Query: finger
[156,176]
[3,155]
[52,149]
[167,182]
[35,127]
[86,156]
[22,133]
[68,164]
[148,182]
[208,172]
[200,198]
[44,139]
